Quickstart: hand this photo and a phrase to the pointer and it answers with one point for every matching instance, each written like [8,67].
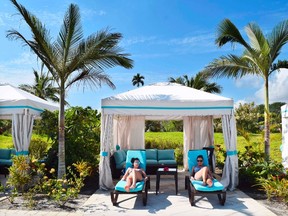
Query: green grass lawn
[7,141]
[176,139]
[256,140]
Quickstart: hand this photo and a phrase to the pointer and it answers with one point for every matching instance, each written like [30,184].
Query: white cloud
[91,13]
[249,81]
[138,40]
[18,71]
[278,86]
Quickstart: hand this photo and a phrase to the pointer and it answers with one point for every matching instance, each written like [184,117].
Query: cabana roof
[167,99]
[14,100]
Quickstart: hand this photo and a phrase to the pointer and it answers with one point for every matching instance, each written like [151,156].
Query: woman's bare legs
[205,175]
[129,181]
[137,176]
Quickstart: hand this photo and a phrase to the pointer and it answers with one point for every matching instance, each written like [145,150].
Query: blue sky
[165,39]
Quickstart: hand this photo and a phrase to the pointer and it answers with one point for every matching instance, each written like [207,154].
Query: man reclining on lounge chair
[133,175]
[202,173]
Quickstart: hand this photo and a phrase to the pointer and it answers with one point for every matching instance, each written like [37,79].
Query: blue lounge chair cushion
[217,186]
[120,186]
[140,154]
[192,158]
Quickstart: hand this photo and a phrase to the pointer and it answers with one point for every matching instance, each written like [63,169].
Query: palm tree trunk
[61,145]
[267,121]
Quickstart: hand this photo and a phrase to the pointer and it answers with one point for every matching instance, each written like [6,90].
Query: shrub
[38,148]
[275,186]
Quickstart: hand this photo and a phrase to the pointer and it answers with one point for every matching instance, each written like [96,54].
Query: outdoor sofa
[155,158]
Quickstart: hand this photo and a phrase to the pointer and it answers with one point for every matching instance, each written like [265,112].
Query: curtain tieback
[22,153]
[230,153]
[104,153]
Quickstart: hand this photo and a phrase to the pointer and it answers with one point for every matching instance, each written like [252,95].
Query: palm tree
[71,59]
[257,58]
[199,81]
[42,87]
[137,80]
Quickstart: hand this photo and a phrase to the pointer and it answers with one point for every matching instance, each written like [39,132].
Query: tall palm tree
[42,86]
[257,59]
[137,80]
[71,59]
[199,81]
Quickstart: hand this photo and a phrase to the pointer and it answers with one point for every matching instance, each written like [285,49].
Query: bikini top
[197,168]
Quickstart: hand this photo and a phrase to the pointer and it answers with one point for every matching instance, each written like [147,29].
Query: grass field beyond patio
[256,140]
[175,139]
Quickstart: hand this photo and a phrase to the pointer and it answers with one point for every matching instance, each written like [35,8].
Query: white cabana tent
[22,108]
[284,113]
[124,115]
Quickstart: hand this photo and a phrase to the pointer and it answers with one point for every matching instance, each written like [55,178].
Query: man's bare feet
[127,188]
[132,186]
[209,182]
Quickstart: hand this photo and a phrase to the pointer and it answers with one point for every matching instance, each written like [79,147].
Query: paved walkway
[165,203]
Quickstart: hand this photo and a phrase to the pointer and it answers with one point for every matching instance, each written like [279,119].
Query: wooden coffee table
[170,171]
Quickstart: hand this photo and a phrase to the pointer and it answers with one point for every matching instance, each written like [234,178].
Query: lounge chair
[195,187]
[141,187]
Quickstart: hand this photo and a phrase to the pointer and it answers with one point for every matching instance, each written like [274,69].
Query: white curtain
[105,178]
[230,171]
[198,133]
[129,132]
[22,126]
[284,147]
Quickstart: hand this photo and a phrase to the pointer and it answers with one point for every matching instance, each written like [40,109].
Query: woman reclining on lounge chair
[202,173]
[133,175]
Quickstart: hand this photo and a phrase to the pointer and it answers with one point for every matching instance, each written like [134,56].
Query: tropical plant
[257,58]
[71,59]
[246,116]
[82,135]
[200,81]
[137,80]
[42,86]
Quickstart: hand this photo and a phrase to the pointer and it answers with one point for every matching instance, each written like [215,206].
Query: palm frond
[228,32]
[41,39]
[90,77]
[229,66]
[277,39]
[258,41]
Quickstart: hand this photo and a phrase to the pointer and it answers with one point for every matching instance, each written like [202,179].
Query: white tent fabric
[22,126]
[198,133]
[284,113]
[230,171]
[129,132]
[105,179]
[165,101]
[14,101]
[22,108]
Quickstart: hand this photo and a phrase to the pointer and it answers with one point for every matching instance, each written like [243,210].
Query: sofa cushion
[167,162]
[120,158]
[6,162]
[166,154]
[5,154]
[151,154]
[12,153]
[151,162]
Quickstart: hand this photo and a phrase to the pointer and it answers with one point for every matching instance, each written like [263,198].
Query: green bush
[38,148]
[82,136]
